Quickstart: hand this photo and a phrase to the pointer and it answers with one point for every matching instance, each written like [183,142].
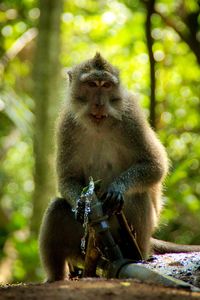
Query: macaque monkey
[102,133]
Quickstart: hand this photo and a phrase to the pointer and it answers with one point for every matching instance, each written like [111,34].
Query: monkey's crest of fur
[99,62]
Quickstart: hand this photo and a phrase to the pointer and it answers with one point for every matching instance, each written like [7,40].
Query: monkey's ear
[69,72]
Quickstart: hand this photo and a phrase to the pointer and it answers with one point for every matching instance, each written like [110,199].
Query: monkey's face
[95,92]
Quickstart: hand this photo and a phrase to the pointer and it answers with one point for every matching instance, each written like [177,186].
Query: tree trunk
[150,10]
[46,76]
[189,36]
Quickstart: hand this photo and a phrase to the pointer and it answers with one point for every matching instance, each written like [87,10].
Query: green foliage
[26,264]
[116,29]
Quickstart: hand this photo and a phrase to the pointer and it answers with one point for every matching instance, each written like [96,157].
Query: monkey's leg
[60,236]
[141,216]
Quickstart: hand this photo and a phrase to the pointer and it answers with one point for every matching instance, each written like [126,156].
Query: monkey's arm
[70,183]
[70,189]
[150,163]
[144,173]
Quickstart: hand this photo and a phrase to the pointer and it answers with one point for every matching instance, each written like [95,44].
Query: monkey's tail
[161,247]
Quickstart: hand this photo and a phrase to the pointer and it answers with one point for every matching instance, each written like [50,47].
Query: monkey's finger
[113,205]
[113,197]
[106,196]
[120,199]
[109,209]
[121,204]
[108,205]
[103,196]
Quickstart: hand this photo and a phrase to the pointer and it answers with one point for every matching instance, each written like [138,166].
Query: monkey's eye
[115,99]
[81,99]
[91,84]
[107,84]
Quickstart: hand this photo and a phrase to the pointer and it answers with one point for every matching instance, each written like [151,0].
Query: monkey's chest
[104,159]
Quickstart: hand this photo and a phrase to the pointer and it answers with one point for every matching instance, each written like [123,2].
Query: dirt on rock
[94,289]
[180,266]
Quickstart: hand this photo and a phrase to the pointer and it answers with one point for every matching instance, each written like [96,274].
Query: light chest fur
[102,156]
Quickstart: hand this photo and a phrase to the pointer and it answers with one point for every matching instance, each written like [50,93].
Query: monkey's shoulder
[66,126]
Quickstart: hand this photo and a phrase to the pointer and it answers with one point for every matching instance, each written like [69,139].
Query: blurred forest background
[156,45]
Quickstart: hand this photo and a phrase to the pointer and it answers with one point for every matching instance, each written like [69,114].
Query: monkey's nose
[99,82]
[99,104]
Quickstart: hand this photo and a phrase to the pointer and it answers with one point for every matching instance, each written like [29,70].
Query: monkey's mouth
[98,118]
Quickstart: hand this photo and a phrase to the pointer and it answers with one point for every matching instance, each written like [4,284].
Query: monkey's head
[95,92]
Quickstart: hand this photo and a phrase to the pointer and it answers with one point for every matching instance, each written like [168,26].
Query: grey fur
[102,133]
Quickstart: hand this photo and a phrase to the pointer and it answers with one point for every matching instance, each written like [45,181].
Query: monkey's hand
[113,200]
